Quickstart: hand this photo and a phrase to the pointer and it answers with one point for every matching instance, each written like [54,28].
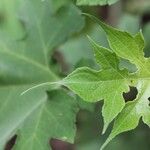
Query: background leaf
[47,122]
[95,2]
[24,62]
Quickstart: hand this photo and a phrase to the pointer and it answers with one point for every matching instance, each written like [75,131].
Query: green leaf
[9,21]
[128,119]
[80,46]
[131,48]
[25,62]
[126,46]
[96,2]
[46,29]
[57,4]
[28,71]
[110,82]
[53,119]
[104,57]
[94,85]
[14,109]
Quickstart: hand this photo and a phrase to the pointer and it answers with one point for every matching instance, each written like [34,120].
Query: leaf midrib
[34,63]
[22,119]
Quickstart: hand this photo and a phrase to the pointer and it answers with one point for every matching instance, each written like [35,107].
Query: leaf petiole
[42,84]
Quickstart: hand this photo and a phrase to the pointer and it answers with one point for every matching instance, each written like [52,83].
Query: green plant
[110,82]
[95,2]
[46,109]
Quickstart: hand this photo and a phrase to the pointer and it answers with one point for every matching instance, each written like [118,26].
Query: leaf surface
[46,29]
[96,2]
[94,85]
[131,48]
[24,62]
[53,119]
[110,82]
[14,109]
[129,118]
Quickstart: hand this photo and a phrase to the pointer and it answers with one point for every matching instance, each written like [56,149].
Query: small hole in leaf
[149,101]
[131,95]
[61,145]
[11,143]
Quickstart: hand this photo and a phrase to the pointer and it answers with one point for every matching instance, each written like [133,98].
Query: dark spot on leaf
[59,62]
[2,18]
[131,95]
[149,101]
[11,143]
[131,81]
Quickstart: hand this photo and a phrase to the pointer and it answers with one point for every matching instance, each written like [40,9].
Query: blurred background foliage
[129,15]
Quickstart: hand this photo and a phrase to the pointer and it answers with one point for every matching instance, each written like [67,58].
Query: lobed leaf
[53,119]
[24,63]
[129,118]
[110,82]
[94,85]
